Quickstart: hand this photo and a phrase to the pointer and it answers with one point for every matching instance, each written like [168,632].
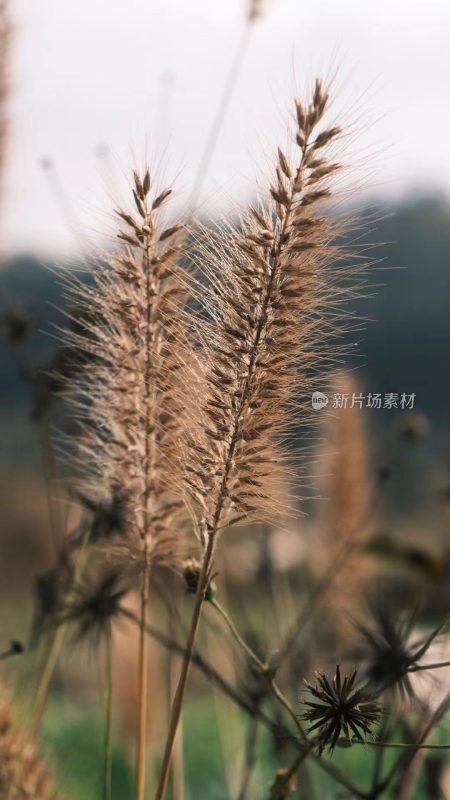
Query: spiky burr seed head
[342,710]
[97,604]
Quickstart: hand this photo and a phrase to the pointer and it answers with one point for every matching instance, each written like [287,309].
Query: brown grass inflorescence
[272,302]
[23,774]
[128,395]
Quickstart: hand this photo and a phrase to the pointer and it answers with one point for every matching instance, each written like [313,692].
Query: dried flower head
[109,515]
[96,604]
[341,710]
[50,590]
[390,652]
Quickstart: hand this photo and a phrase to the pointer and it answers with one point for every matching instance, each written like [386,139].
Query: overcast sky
[130,79]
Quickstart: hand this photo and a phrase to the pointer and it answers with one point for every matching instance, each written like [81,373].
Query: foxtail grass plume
[274,287]
[348,492]
[126,396]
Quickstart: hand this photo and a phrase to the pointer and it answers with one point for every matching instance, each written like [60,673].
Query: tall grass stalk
[220,115]
[127,399]
[141,734]
[253,13]
[107,706]
[271,285]
[54,648]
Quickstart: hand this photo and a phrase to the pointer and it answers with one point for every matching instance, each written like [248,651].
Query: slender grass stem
[422,667]
[54,649]
[250,758]
[217,123]
[178,760]
[50,479]
[236,635]
[45,680]
[406,745]
[185,670]
[107,752]
[262,667]
[378,760]
[143,688]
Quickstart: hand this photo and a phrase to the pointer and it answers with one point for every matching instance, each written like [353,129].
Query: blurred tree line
[404,346]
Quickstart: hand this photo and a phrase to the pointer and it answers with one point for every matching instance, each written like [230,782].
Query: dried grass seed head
[274,292]
[128,399]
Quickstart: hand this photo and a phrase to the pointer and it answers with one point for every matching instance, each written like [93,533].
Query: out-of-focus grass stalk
[221,112]
[53,652]
[178,761]
[107,753]
[228,726]
[143,689]
[46,675]
[250,758]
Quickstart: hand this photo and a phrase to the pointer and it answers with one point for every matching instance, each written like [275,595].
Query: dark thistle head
[340,710]
[109,516]
[391,655]
[50,590]
[96,605]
